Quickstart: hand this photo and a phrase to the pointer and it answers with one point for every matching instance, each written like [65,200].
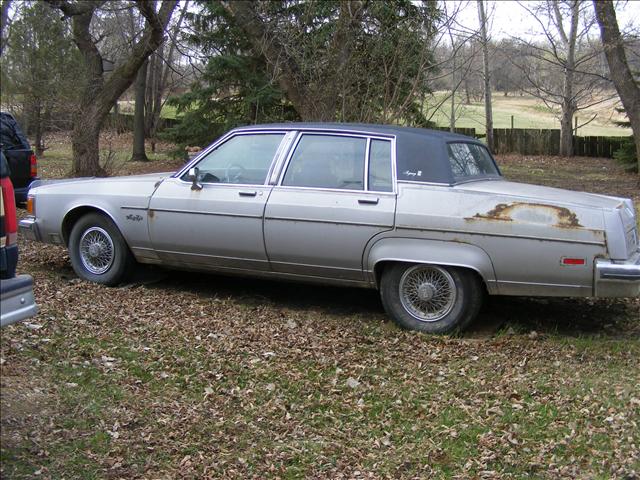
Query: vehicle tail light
[33,160]
[10,215]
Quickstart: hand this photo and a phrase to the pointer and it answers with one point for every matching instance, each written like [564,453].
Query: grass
[202,376]
[527,112]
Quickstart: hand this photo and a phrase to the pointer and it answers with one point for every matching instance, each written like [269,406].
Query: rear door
[335,193]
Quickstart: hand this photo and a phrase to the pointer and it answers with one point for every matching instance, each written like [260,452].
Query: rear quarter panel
[525,240]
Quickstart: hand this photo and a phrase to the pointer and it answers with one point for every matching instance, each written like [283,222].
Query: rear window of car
[470,160]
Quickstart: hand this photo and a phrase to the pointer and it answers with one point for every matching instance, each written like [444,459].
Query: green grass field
[527,112]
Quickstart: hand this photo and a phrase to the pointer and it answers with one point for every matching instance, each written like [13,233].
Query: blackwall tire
[431,298]
[98,251]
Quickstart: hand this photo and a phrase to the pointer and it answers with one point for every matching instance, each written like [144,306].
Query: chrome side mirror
[194,176]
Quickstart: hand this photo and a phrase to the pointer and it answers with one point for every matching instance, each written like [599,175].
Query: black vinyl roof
[421,154]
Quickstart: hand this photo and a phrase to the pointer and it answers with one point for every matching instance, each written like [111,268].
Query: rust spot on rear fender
[531,213]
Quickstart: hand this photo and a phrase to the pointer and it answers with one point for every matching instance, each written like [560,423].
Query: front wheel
[98,251]
[430,298]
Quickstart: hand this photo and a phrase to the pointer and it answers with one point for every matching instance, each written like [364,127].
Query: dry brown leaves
[196,376]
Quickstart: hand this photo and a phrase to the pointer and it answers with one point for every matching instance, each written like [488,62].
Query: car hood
[150,178]
[537,193]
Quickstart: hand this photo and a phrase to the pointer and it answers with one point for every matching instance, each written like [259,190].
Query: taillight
[33,161]
[10,217]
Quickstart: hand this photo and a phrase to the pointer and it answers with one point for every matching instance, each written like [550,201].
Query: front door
[220,225]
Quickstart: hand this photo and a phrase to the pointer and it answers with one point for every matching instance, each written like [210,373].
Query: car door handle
[368,201]
[247,193]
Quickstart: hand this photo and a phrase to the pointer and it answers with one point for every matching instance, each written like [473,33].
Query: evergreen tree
[314,60]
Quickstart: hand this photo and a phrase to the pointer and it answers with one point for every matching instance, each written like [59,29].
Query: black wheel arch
[76,213]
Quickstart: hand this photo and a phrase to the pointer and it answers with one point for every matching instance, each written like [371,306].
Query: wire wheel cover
[96,250]
[428,293]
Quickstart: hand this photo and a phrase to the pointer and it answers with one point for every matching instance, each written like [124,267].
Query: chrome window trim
[392,146]
[413,182]
[367,153]
[338,129]
[226,185]
[335,190]
[280,157]
[342,133]
[226,138]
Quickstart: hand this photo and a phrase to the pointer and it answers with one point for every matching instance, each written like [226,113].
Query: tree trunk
[566,129]
[621,75]
[139,154]
[37,134]
[467,94]
[488,112]
[85,141]
[4,20]
[568,104]
[98,95]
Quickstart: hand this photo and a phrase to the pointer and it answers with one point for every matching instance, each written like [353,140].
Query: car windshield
[469,160]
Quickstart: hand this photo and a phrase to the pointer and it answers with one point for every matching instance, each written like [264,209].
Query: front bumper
[618,279]
[29,229]
[17,299]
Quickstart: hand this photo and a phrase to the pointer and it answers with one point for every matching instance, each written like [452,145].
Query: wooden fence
[531,141]
[526,141]
[469,132]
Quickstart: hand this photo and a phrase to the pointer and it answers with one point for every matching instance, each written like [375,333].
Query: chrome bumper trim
[618,279]
[18,302]
[29,229]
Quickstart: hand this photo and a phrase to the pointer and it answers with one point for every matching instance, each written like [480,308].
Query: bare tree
[159,84]
[139,154]
[486,72]
[4,20]
[100,94]
[567,54]
[623,79]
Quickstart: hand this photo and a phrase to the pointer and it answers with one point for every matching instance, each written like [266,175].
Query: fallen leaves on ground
[196,376]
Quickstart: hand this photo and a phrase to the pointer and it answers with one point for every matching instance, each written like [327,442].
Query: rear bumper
[29,229]
[17,299]
[618,279]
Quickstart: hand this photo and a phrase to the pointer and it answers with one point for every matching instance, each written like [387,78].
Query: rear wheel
[431,298]
[98,251]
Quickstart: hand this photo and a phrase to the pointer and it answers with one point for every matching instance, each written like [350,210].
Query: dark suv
[22,161]
[16,292]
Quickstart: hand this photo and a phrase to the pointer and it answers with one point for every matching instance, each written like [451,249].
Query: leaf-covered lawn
[185,375]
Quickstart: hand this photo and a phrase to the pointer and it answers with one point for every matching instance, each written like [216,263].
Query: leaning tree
[99,92]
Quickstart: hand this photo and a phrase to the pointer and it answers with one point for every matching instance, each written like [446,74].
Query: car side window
[380,166]
[327,161]
[243,159]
